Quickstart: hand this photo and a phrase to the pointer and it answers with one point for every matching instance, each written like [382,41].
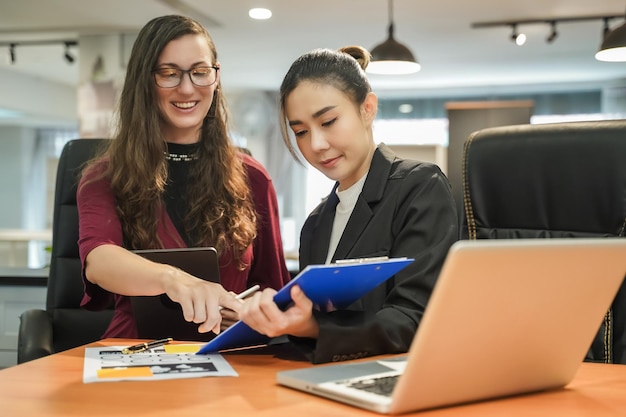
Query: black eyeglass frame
[183,72]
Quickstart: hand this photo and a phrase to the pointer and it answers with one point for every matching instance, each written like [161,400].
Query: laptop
[506,317]
[158,316]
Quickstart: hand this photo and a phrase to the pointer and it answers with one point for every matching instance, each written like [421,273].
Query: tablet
[158,316]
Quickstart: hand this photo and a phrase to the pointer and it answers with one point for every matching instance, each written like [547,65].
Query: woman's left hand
[263,315]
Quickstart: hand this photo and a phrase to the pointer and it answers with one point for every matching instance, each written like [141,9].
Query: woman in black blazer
[381,205]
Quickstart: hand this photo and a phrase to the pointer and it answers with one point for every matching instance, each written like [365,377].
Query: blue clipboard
[340,284]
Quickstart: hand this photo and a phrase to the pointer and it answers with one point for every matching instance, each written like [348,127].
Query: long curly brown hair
[220,204]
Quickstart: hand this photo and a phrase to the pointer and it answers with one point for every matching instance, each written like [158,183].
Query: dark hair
[220,204]
[344,69]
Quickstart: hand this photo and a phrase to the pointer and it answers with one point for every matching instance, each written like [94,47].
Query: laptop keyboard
[381,385]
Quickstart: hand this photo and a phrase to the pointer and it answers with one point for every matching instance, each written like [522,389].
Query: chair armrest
[34,339]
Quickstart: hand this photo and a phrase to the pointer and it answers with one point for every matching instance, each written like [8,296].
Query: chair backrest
[548,181]
[72,326]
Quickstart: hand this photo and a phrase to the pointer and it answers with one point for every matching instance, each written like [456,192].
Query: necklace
[181,157]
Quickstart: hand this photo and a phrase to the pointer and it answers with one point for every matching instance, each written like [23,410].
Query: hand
[200,300]
[229,317]
[263,315]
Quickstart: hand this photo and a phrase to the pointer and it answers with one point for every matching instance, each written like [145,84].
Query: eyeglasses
[172,77]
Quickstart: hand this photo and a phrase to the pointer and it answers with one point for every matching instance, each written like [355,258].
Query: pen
[248,292]
[146,345]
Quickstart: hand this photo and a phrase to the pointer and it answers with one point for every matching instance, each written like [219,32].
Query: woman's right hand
[200,300]
[130,274]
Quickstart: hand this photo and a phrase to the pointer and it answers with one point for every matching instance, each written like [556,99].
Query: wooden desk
[53,386]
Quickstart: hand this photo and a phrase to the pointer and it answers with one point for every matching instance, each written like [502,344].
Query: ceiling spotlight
[613,47]
[68,57]
[391,57]
[553,33]
[518,38]
[12,54]
[258,13]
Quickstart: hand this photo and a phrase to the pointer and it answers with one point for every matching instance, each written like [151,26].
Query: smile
[328,163]
[185,105]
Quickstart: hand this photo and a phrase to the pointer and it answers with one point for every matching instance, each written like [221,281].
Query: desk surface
[53,386]
[25,235]
[24,276]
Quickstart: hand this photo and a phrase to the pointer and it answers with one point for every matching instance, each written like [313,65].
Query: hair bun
[362,55]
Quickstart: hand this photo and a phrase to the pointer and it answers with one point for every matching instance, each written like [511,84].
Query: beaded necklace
[180,157]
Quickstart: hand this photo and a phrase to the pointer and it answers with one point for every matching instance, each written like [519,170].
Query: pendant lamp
[613,48]
[391,57]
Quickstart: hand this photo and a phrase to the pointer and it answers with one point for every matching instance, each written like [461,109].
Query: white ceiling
[256,54]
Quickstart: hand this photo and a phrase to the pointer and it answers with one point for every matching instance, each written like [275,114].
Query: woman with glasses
[171,178]
[381,205]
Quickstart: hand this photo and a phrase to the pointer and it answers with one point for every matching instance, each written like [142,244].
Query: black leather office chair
[63,324]
[552,181]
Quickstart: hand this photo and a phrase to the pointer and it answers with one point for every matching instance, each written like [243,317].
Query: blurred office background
[62,65]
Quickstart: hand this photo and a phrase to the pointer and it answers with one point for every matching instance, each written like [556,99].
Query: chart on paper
[109,364]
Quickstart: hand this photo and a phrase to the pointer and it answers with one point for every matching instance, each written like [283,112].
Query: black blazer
[405,209]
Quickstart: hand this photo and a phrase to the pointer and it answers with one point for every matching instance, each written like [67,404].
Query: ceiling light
[68,57]
[553,33]
[259,13]
[12,54]
[391,57]
[606,28]
[11,57]
[518,38]
[613,47]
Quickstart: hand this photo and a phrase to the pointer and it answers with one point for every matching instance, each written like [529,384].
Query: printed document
[109,364]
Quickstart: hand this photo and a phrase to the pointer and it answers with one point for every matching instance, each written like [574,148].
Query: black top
[179,163]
